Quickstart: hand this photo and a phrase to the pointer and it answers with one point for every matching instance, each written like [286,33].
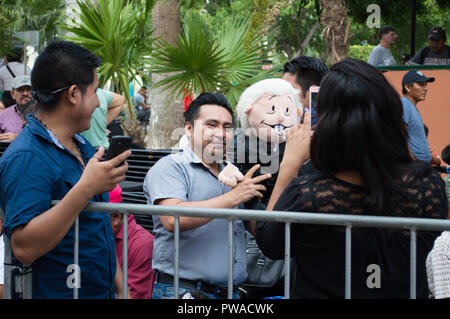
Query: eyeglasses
[47,96]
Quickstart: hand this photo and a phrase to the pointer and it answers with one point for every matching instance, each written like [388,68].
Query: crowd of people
[436,53]
[367,154]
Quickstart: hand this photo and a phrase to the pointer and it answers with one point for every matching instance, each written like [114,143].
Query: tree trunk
[336,28]
[166,121]
[308,38]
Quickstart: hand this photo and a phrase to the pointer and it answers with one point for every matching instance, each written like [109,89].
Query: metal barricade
[347,221]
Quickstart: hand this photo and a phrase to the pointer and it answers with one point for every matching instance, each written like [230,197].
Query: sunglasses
[47,96]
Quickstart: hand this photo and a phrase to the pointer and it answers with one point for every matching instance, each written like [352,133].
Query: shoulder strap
[10,71]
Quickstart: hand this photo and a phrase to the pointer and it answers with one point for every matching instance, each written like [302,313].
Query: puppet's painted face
[271,115]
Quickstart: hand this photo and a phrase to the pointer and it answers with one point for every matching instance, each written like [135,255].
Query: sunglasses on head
[47,96]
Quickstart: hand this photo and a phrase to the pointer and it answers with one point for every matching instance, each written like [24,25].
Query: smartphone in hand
[118,145]
[313,93]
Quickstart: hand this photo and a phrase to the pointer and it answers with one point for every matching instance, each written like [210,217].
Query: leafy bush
[360,52]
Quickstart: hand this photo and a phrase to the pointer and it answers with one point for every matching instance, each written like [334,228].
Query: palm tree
[202,62]
[116,31]
[336,28]
[166,107]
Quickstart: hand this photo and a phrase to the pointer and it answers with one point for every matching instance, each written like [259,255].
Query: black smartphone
[117,145]
[313,93]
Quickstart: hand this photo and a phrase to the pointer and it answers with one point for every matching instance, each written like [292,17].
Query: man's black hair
[193,111]
[385,29]
[62,64]
[308,71]
[445,154]
[15,55]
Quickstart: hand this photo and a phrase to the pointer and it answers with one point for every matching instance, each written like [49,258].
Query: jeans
[167,291]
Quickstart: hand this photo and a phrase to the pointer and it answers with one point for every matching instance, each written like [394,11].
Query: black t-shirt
[319,251]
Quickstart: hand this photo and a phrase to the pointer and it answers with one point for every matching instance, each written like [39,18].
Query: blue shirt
[34,170]
[203,250]
[417,140]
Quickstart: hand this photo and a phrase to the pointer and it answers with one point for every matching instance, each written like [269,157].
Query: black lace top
[319,251]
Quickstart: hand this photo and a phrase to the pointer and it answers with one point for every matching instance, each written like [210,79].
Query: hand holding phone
[118,145]
[313,93]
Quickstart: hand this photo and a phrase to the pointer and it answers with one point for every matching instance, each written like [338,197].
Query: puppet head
[267,108]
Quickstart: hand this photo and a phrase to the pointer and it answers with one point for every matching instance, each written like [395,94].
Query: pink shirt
[10,120]
[140,252]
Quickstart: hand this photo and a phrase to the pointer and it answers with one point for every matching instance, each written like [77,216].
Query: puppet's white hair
[255,91]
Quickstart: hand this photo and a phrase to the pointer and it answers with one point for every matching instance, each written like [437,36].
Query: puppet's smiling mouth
[278,128]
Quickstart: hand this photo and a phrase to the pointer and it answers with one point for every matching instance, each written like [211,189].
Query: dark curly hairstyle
[308,71]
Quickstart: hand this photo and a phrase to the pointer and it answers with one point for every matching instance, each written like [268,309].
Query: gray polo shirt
[203,250]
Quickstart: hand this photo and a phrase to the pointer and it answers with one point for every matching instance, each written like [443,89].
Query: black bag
[262,271]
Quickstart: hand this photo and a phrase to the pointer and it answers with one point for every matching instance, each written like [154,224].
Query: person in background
[111,104]
[436,53]
[142,101]
[414,89]
[140,251]
[13,67]
[381,55]
[12,119]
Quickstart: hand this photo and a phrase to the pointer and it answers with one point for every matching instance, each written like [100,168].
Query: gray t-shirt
[431,58]
[203,253]
[380,56]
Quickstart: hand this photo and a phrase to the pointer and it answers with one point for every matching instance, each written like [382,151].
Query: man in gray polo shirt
[189,178]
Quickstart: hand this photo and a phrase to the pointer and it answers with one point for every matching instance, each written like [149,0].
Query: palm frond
[113,30]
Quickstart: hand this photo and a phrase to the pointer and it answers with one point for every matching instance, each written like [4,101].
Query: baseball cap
[21,80]
[437,33]
[415,76]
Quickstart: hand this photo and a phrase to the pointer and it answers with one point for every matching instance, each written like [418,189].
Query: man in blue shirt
[414,89]
[48,161]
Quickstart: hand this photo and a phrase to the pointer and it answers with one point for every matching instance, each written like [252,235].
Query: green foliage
[360,52]
[205,62]
[430,13]
[293,25]
[44,16]
[115,31]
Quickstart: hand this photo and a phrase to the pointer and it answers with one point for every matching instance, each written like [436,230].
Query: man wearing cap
[437,53]
[414,89]
[11,120]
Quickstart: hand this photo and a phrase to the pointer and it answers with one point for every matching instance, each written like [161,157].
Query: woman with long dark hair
[360,150]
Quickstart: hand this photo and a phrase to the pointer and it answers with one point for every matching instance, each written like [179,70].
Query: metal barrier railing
[347,221]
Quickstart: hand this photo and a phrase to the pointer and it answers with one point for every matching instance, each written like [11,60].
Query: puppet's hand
[230,175]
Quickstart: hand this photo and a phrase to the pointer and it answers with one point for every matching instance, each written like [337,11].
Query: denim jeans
[167,291]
